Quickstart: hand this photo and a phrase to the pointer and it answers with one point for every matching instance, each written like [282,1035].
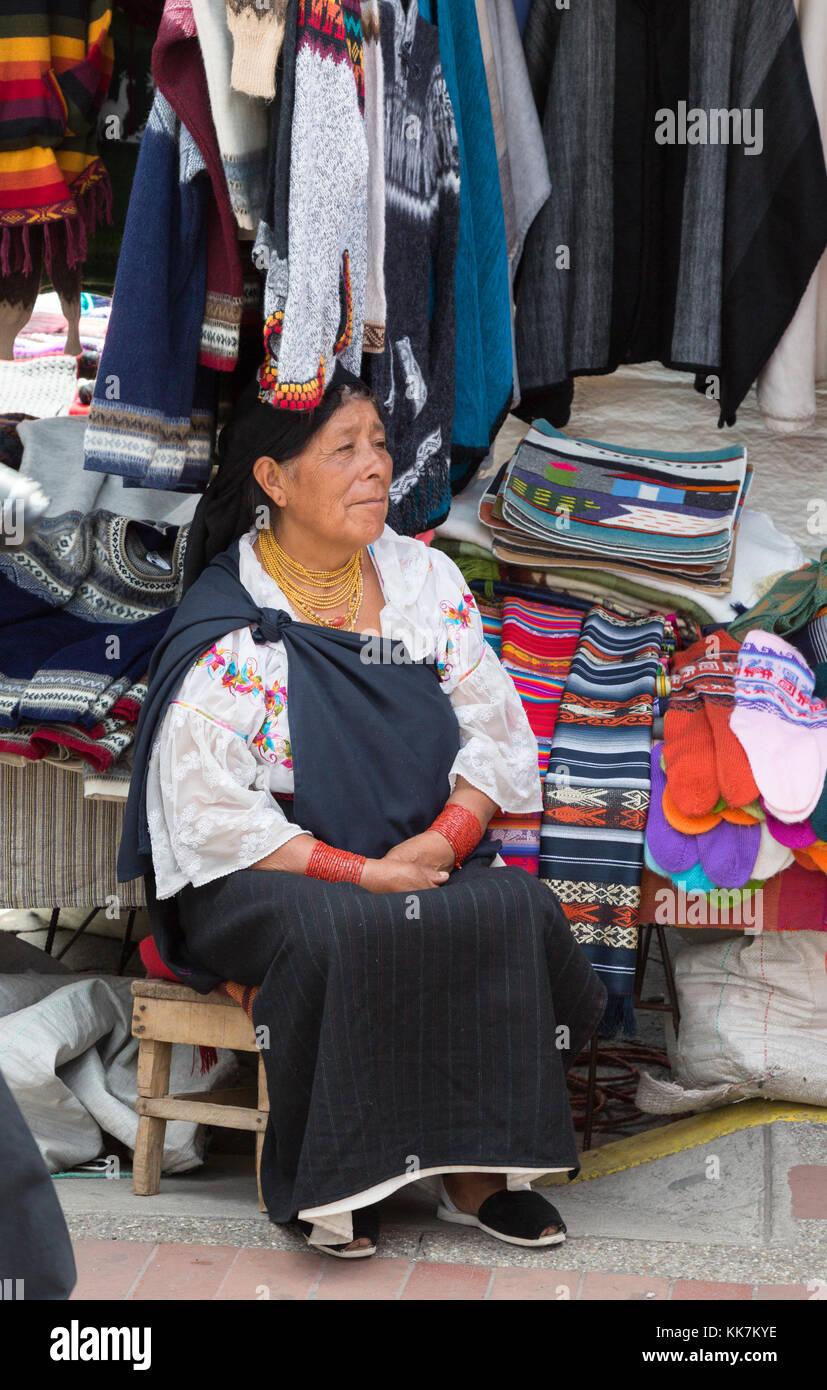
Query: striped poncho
[55,66]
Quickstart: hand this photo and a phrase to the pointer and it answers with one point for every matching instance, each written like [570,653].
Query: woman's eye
[380,444]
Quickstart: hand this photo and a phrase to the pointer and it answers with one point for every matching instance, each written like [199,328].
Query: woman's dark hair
[291,443]
[256,430]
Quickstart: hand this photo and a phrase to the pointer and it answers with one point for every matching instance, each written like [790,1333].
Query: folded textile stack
[596,796]
[536,643]
[83,605]
[563,503]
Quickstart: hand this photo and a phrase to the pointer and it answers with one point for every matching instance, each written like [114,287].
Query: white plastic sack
[71,1063]
[753,1024]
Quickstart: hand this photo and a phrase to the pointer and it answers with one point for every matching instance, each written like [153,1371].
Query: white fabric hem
[333,1223]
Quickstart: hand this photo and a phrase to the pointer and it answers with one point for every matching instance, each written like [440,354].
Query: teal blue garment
[484,364]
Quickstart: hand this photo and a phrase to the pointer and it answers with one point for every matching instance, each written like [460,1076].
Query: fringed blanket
[55,67]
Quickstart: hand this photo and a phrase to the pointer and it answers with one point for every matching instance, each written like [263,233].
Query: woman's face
[336,489]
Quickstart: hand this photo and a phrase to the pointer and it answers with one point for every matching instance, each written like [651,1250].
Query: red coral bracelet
[335,865]
[461,828]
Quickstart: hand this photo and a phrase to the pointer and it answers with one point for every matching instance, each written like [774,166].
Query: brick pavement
[137,1270]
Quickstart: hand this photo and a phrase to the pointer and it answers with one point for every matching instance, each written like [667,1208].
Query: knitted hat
[255,430]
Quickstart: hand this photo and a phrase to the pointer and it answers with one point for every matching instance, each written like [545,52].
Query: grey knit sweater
[414,375]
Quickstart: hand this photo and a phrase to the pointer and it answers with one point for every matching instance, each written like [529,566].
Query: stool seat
[164,1013]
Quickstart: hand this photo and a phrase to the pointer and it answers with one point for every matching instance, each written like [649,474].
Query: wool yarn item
[728,853]
[688,825]
[794,836]
[689,753]
[773,857]
[782,728]
[672,848]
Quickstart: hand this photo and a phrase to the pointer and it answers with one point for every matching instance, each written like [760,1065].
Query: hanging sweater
[319,313]
[375,307]
[55,66]
[484,360]
[240,121]
[414,375]
[654,245]
[146,421]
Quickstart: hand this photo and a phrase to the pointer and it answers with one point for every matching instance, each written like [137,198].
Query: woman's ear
[268,475]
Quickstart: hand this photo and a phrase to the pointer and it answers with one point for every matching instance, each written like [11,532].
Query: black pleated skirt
[430,1030]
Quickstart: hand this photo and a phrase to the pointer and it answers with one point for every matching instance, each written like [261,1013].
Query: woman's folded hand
[400,875]
[430,849]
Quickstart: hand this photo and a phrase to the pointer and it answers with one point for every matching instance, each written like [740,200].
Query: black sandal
[365,1224]
[516,1217]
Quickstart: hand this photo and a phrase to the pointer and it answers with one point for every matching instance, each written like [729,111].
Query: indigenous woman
[325,739]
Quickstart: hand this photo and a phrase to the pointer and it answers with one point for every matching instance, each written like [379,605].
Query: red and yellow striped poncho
[55,67]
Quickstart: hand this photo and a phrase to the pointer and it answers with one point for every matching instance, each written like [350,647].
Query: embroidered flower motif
[224,665]
[459,617]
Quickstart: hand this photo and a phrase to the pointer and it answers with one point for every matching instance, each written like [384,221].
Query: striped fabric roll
[596,796]
[492,623]
[537,644]
[57,849]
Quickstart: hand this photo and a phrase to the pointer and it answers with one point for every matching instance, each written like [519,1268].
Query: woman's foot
[468,1191]
[365,1236]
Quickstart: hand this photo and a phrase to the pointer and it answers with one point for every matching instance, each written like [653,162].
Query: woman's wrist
[334,865]
[461,828]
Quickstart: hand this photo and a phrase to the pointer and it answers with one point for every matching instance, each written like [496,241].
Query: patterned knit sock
[716,683]
[675,851]
[728,853]
[782,729]
[773,857]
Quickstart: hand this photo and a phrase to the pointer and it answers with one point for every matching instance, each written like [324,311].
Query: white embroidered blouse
[223,748]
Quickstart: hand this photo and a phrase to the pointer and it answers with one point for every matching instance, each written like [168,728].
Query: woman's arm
[431,849]
[402,875]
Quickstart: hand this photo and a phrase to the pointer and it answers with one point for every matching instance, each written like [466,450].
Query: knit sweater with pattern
[414,375]
[319,313]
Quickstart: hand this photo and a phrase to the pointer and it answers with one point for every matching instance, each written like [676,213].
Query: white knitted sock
[257,27]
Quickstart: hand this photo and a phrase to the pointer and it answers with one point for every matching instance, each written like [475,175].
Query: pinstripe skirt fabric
[402,1031]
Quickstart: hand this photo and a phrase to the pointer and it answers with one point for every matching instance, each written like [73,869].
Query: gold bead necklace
[311,590]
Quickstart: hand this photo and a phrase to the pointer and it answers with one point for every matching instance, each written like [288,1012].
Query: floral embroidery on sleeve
[456,619]
[241,678]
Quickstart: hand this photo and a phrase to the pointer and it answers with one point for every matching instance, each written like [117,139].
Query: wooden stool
[165,1013]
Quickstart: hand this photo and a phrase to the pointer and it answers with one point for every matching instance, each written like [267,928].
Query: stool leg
[671,987]
[590,1090]
[263,1104]
[153,1080]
